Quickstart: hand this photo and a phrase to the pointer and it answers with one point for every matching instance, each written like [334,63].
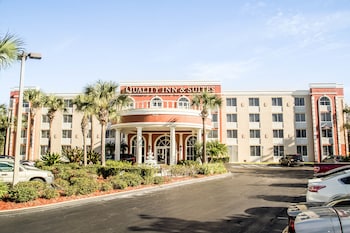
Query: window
[25,104]
[23,149]
[66,133]
[255,151]
[231,102]
[326,116]
[327,133]
[183,102]
[325,101]
[278,150]
[45,133]
[44,149]
[214,117]
[213,133]
[301,133]
[191,148]
[302,150]
[327,150]
[277,117]
[23,133]
[277,101]
[300,117]
[68,103]
[254,133]
[67,118]
[110,133]
[156,102]
[299,101]
[231,133]
[254,102]
[88,135]
[254,117]
[45,119]
[231,117]
[278,133]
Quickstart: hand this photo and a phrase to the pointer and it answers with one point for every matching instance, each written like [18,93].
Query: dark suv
[291,160]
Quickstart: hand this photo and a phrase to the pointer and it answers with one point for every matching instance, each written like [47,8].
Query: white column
[117,145]
[139,145]
[172,146]
[199,135]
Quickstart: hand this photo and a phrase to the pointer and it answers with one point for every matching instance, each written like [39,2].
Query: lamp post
[23,57]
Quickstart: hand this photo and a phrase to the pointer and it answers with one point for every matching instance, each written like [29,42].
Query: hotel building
[256,126]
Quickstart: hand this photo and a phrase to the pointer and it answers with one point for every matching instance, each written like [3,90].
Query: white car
[327,188]
[26,173]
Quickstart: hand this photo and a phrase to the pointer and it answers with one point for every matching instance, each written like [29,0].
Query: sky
[272,45]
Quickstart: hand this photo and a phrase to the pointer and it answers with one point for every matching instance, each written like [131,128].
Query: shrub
[49,193]
[84,185]
[93,157]
[23,192]
[4,188]
[132,179]
[118,183]
[74,154]
[106,186]
[51,158]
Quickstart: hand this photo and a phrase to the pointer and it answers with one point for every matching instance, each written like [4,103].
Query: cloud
[222,70]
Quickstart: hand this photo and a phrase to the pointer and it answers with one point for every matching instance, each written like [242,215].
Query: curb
[111,196]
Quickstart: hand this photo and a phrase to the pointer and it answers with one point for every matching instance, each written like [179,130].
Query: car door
[6,172]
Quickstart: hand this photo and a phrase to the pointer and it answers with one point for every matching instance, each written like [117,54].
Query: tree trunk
[204,150]
[103,143]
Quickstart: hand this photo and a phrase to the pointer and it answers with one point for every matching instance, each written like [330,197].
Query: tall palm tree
[35,98]
[54,104]
[206,102]
[10,47]
[105,101]
[84,104]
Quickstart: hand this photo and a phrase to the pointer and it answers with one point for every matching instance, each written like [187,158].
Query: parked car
[23,162]
[295,209]
[331,162]
[291,160]
[326,188]
[26,173]
[332,171]
[323,219]
[128,157]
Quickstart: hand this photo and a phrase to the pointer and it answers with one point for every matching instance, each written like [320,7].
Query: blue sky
[246,45]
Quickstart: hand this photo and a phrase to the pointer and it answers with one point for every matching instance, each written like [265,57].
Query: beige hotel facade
[256,126]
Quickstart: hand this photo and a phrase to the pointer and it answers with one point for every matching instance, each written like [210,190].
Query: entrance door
[163,150]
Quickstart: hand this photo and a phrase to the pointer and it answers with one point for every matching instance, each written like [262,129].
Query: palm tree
[54,104]
[35,98]
[206,102]
[10,47]
[84,105]
[106,104]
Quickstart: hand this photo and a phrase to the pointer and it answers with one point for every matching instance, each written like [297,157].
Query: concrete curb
[111,196]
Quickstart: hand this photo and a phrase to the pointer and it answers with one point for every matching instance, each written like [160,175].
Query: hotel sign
[167,90]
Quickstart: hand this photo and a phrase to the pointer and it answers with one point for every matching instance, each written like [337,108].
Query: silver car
[26,173]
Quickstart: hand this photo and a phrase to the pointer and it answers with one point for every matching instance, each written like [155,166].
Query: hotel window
[301,133]
[110,133]
[45,133]
[325,101]
[231,117]
[327,133]
[254,117]
[67,118]
[68,103]
[254,133]
[231,102]
[299,101]
[278,150]
[254,102]
[23,133]
[88,135]
[191,148]
[327,150]
[278,133]
[277,101]
[44,149]
[183,102]
[45,119]
[231,133]
[23,149]
[213,133]
[156,102]
[302,150]
[300,117]
[214,117]
[326,116]
[25,104]
[66,133]
[255,151]
[277,117]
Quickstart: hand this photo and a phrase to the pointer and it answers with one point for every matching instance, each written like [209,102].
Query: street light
[23,57]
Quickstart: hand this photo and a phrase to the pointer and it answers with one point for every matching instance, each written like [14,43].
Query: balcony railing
[161,105]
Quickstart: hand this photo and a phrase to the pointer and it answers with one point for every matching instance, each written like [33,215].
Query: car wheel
[37,179]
